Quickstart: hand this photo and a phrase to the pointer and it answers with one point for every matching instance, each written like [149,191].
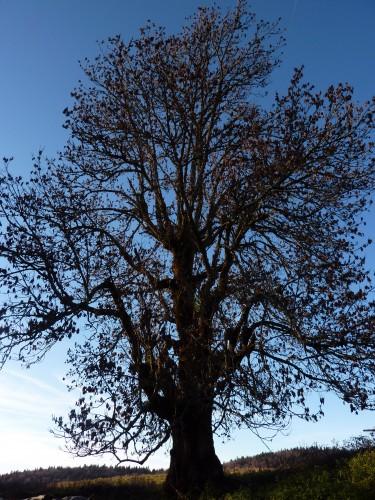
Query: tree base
[195,480]
[194,465]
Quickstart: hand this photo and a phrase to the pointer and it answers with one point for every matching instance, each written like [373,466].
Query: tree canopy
[205,250]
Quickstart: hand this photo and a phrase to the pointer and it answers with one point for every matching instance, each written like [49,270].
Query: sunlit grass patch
[147,486]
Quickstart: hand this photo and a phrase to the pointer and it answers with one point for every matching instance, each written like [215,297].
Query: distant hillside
[289,459]
[27,482]
[290,470]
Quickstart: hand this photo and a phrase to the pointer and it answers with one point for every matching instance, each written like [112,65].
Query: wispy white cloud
[36,382]
[27,401]
[24,396]
[24,449]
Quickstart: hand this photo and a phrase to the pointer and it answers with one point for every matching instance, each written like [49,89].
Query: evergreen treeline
[301,457]
[286,472]
[38,480]
[290,459]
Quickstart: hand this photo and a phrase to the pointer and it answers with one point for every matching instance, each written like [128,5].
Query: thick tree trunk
[193,459]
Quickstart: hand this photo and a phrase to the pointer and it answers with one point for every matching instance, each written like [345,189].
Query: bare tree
[208,250]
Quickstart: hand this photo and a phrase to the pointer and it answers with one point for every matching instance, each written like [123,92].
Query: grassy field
[302,474]
[348,478]
[145,486]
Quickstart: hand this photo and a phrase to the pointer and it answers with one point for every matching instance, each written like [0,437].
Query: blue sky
[41,42]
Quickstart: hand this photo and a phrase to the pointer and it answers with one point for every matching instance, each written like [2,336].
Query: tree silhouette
[207,249]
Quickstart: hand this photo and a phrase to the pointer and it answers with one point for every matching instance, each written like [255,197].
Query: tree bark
[193,459]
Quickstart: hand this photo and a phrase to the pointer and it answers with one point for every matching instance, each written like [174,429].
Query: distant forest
[294,458]
[39,479]
[35,481]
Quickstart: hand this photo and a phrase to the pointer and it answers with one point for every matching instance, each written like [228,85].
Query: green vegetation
[145,486]
[348,477]
[352,478]
[21,484]
[314,473]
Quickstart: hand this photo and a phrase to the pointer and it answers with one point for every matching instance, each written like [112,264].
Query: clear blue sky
[41,42]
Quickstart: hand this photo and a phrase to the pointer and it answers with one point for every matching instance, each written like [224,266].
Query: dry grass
[115,481]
